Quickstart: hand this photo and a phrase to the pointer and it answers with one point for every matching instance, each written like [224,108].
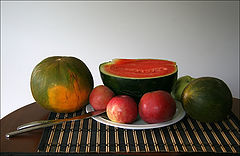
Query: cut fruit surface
[139,68]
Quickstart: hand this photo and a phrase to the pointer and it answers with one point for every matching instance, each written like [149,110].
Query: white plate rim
[179,115]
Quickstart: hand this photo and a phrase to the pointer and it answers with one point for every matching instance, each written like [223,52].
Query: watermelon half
[134,77]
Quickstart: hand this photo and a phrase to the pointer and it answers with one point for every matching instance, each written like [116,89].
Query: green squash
[179,86]
[61,84]
[207,99]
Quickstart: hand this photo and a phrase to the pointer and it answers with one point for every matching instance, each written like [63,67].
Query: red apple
[157,106]
[122,109]
[100,96]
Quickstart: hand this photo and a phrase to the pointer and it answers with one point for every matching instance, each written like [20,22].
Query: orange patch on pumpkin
[63,99]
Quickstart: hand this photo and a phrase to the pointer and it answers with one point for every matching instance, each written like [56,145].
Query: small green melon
[179,86]
[207,99]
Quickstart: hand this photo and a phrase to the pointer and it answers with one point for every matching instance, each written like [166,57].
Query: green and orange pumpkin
[61,84]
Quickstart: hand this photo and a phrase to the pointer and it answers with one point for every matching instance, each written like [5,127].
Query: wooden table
[28,142]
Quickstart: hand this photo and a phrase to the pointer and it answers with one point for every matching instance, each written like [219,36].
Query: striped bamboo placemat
[188,135]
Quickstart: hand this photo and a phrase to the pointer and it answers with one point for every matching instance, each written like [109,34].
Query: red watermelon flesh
[140,68]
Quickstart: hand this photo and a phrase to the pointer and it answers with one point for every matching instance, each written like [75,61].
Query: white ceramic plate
[139,123]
